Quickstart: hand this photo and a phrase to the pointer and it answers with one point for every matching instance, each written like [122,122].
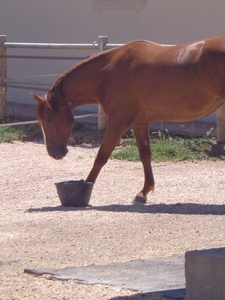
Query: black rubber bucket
[74,192]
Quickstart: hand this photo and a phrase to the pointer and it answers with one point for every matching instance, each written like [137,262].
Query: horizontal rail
[50,46]
[47,80]
[22,87]
[110,46]
[45,57]
[58,46]
[36,121]
[18,123]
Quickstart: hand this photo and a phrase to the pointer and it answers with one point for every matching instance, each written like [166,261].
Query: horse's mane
[56,88]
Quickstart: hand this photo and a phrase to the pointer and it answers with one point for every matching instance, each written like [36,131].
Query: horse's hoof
[140,198]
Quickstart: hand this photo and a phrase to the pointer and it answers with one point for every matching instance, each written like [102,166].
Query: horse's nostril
[58,155]
[53,155]
[57,152]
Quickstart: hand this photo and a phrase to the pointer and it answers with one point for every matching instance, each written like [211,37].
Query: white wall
[82,21]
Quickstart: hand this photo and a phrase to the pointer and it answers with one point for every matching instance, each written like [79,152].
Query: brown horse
[135,84]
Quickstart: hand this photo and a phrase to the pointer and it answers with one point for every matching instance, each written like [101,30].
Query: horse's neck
[82,85]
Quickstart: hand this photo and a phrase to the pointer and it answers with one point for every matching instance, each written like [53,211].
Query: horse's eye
[48,120]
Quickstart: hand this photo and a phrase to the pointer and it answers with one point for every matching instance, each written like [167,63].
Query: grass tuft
[10,134]
[174,149]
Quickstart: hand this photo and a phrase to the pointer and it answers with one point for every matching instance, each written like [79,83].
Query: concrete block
[205,274]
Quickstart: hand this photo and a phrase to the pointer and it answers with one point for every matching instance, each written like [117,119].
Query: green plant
[173,149]
[9,134]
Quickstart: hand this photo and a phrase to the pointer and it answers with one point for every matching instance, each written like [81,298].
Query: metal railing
[100,44]
[25,82]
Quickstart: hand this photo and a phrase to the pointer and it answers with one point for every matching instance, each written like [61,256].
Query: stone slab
[154,275]
[205,274]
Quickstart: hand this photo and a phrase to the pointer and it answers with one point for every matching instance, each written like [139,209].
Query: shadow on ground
[162,208]
[178,294]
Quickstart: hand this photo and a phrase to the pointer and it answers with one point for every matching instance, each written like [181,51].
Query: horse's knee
[100,160]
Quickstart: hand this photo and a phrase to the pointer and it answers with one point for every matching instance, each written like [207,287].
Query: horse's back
[143,51]
[146,52]
[166,82]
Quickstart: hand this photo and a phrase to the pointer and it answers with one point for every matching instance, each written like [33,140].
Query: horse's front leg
[142,136]
[111,138]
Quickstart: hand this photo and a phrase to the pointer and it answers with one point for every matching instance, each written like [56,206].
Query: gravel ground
[185,212]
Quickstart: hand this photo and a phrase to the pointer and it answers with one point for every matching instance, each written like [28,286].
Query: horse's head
[56,122]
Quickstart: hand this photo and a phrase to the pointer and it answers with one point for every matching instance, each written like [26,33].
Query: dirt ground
[186,212]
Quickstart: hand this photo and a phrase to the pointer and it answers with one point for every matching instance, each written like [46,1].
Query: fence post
[102,41]
[3,74]
[221,124]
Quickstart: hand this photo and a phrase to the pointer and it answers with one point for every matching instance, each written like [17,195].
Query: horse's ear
[37,98]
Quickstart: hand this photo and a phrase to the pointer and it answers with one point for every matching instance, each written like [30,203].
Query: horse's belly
[182,110]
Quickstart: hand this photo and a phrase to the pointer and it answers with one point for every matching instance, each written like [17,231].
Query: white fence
[25,82]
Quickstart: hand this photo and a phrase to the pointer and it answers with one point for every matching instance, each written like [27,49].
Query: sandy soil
[186,211]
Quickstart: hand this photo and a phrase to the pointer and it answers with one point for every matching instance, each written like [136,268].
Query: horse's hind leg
[143,141]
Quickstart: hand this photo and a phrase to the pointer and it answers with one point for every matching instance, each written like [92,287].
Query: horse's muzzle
[58,153]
